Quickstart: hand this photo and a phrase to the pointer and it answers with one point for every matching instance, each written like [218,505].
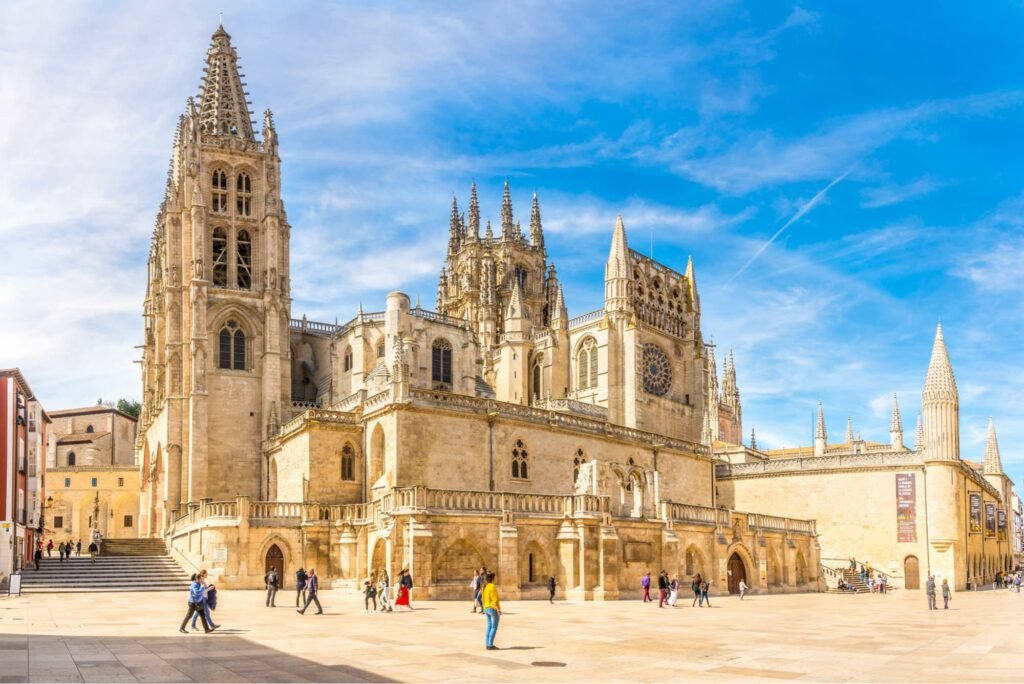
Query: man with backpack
[271,580]
[300,586]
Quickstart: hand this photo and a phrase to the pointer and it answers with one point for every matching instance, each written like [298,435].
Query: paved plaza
[133,637]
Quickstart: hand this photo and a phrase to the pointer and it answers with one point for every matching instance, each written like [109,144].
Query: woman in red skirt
[403,591]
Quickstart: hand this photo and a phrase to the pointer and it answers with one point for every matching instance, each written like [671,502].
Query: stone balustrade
[586,318]
[690,513]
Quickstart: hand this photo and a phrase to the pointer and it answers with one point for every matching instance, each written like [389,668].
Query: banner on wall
[990,520]
[906,508]
[1002,525]
[976,512]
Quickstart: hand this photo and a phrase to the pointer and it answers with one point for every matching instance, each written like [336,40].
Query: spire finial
[753,439]
[919,433]
[507,224]
[224,106]
[474,214]
[849,430]
[536,230]
[820,434]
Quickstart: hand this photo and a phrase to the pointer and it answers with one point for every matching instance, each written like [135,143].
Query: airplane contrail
[810,204]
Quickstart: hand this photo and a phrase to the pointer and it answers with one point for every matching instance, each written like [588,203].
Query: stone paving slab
[824,637]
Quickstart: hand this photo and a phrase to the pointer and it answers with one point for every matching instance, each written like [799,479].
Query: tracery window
[520,461]
[441,364]
[244,275]
[579,460]
[520,276]
[219,192]
[348,463]
[220,257]
[231,347]
[657,371]
[586,365]
[347,363]
[243,195]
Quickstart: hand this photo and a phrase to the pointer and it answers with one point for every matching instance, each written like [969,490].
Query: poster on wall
[975,512]
[1002,525]
[990,520]
[906,508]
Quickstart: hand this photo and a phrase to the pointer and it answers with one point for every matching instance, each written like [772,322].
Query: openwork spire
[919,434]
[820,432]
[753,439]
[474,214]
[536,230]
[895,424]
[508,228]
[454,228]
[939,384]
[618,255]
[993,462]
[849,430]
[224,107]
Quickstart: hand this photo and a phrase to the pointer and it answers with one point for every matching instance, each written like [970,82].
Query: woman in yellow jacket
[492,609]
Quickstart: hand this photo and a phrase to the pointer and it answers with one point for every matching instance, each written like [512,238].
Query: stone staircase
[852,578]
[123,565]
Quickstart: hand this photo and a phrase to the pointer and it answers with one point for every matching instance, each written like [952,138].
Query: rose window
[657,371]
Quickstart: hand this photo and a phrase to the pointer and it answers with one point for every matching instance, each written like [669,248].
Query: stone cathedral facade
[493,430]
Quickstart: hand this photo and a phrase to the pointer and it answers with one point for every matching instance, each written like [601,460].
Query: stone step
[145,571]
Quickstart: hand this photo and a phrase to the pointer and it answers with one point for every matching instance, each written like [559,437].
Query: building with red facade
[23,424]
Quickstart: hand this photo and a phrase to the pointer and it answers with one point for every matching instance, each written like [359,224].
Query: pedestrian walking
[312,588]
[743,588]
[673,592]
[947,594]
[38,557]
[704,598]
[272,582]
[300,586]
[474,586]
[645,584]
[551,589]
[370,594]
[78,548]
[403,592]
[195,605]
[407,583]
[883,583]
[93,550]
[205,605]
[384,591]
[930,590]
[49,549]
[60,551]
[695,586]
[492,609]
[662,588]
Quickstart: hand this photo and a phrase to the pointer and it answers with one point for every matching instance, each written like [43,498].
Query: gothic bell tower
[216,374]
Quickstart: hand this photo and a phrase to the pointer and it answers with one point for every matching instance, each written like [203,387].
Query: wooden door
[275,560]
[737,572]
[911,573]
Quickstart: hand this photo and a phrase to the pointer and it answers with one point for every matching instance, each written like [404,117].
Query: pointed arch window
[243,195]
[71,458]
[348,359]
[348,463]
[586,365]
[244,251]
[520,461]
[520,276]
[89,429]
[577,461]
[441,364]
[380,350]
[231,347]
[220,257]
[219,192]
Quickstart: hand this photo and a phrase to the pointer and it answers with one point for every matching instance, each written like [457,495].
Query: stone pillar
[566,557]
[608,564]
[508,558]
[421,558]
[347,554]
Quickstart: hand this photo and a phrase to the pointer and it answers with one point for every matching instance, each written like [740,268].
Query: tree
[129,406]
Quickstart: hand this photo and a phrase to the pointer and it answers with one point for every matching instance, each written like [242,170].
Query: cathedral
[494,430]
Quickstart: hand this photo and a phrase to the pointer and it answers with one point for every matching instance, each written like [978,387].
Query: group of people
[1007,580]
[202,599]
[65,549]
[947,593]
[668,590]
[378,585]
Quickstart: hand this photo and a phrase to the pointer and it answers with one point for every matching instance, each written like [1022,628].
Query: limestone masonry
[494,430]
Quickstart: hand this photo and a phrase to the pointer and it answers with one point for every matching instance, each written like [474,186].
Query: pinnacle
[820,432]
[224,106]
[939,383]
[993,461]
[896,425]
[620,248]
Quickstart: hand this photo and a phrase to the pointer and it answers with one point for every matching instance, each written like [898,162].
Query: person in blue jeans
[492,609]
[207,603]
[195,605]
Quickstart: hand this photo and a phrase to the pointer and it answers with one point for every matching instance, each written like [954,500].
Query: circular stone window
[657,371]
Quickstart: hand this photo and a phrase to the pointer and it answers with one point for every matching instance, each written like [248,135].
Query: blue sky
[888,136]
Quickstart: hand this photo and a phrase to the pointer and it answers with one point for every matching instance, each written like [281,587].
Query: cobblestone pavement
[133,637]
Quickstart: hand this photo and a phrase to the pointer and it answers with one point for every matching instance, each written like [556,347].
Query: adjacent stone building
[92,478]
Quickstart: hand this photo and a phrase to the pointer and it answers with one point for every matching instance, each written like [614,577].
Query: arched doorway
[275,560]
[911,573]
[737,572]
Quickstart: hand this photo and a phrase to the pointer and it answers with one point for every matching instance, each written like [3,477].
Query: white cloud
[887,195]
